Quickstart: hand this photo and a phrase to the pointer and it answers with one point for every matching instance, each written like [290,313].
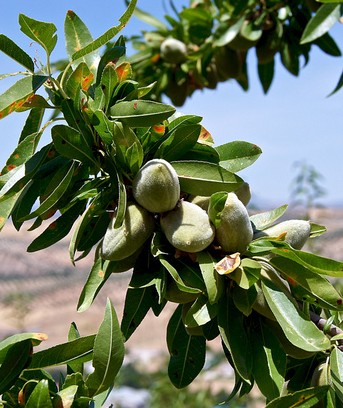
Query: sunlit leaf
[306,398]
[236,156]
[108,353]
[40,396]
[300,331]
[326,16]
[203,178]
[39,31]
[78,36]
[108,35]
[19,93]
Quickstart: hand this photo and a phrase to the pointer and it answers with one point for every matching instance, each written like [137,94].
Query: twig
[332,330]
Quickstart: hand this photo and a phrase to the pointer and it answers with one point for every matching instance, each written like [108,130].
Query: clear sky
[295,121]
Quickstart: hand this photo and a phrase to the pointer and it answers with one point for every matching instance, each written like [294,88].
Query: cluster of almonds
[186,224]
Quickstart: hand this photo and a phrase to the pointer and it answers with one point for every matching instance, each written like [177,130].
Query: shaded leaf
[266,75]
[72,144]
[187,353]
[16,359]
[36,339]
[138,301]
[234,336]
[10,48]
[213,281]
[141,113]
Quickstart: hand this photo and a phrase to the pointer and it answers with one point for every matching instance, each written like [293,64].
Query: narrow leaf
[187,353]
[137,304]
[265,219]
[108,35]
[326,16]
[36,339]
[108,353]
[305,398]
[40,396]
[266,75]
[300,331]
[80,349]
[16,359]
[213,281]
[10,48]
[234,337]
[19,93]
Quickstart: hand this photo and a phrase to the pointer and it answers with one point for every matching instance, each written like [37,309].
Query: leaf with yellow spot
[124,71]
[19,93]
[205,136]
[81,78]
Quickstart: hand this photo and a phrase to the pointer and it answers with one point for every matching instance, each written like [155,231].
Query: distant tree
[209,41]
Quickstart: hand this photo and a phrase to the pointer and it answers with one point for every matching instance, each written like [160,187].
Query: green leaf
[263,220]
[234,336]
[338,86]
[98,275]
[141,113]
[58,186]
[244,299]
[36,339]
[305,398]
[215,207]
[269,361]
[326,16]
[236,156]
[78,350]
[40,396]
[19,93]
[201,312]
[32,123]
[213,281]
[312,285]
[336,371]
[138,301]
[266,75]
[41,32]
[203,178]
[327,44]
[66,396]
[229,34]
[80,79]
[299,331]
[313,262]
[178,143]
[109,82]
[149,19]
[16,359]
[247,274]
[57,230]
[10,48]
[187,353]
[78,36]
[108,353]
[72,144]
[108,35]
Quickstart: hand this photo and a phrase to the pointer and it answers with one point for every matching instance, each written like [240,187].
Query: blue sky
[295,121]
